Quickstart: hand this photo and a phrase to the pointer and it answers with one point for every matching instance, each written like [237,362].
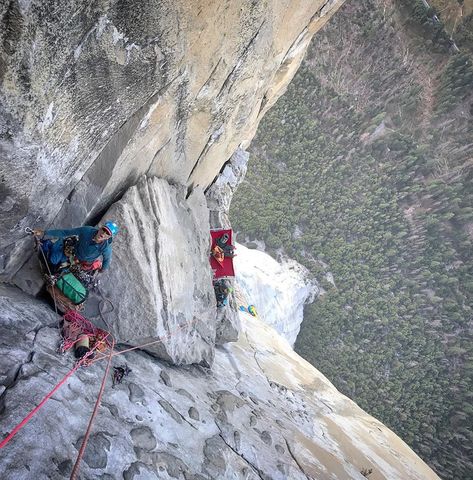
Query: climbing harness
[86,276]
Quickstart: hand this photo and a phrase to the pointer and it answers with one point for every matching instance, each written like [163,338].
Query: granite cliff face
[129,110]
[261,412]
[94,95]
[161,268]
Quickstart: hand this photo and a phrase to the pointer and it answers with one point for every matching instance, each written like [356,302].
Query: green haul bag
[72,288]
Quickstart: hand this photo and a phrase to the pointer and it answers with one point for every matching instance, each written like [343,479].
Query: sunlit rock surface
[277,290]
[94,95]
[260,412]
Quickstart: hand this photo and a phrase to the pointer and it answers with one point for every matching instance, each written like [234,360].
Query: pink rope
[75,316]
[75,470]
[38,407]
[79,324]
[69,316]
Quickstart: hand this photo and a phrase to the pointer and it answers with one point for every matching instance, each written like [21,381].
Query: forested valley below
[363,173]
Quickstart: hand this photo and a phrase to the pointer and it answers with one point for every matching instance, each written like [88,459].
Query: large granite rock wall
[95,94]
[262,412]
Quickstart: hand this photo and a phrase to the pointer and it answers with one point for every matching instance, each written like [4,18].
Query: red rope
[75,470]
[82,361]
[45,399]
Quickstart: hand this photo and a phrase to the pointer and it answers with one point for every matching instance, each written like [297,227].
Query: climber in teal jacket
[92,243]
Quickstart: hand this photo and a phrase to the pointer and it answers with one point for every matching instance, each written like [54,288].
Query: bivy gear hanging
[222,289]
[221,259]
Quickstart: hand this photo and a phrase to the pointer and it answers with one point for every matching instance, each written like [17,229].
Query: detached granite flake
[160,280]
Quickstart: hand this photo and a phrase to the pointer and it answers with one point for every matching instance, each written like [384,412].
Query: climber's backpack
[72,288]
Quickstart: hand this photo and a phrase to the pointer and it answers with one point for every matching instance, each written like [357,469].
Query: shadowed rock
[96,452]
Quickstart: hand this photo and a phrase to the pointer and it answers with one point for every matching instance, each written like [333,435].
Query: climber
[82,245]
[252,310]
[222,289]
[223,249]
[227,249]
